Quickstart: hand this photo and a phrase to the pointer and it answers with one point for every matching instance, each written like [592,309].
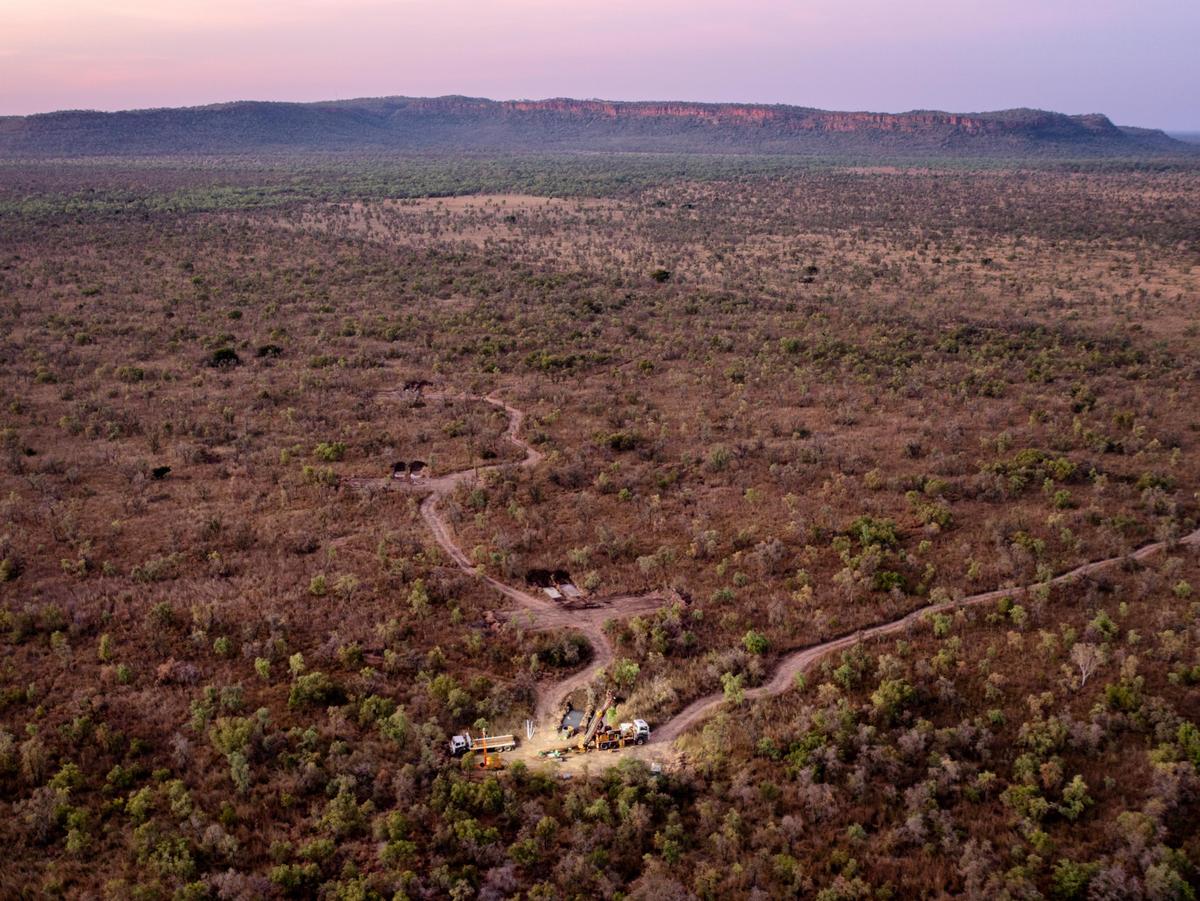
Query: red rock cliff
[784,118]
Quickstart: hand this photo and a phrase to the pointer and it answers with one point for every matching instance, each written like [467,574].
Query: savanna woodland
[745,409]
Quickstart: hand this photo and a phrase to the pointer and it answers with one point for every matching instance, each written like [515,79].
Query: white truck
[635,733]
[487,744]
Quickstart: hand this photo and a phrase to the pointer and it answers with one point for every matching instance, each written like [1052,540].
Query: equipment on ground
[598,736]
[634,733]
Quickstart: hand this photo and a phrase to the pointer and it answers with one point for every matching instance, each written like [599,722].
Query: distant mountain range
[476,125]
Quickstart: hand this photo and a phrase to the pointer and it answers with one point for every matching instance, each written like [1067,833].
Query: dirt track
[800,661]
[541,613]
[534,611]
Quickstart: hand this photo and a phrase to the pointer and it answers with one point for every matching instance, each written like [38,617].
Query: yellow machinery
[594,725]
[490,761]
[598,736]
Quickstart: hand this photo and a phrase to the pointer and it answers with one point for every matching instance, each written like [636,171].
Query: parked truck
[485,744]
[610,738]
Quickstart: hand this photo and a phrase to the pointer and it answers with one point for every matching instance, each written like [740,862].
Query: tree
[755,642]
[625,673]
[891,696]
[732,685]
[313,688]
[872,532]
[1071,879]
[1088,658]
[1075,799]
[223,358]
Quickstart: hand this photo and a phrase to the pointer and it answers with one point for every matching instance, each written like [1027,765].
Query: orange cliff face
[784,118]
[564,124]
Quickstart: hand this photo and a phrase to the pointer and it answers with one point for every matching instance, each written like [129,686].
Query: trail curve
[803,660]
[533,610]
[541,613]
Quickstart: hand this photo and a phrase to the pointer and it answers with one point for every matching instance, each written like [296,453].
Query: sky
[1135,60]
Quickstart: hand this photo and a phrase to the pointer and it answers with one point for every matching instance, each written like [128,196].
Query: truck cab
[640,731]
[637,732]
[488,744]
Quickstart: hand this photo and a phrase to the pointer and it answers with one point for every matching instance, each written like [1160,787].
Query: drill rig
[599,736]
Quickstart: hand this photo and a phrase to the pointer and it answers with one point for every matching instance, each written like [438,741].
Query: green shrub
[1103,624]
[395,727]
[718,458]
[755,642]
[731,685]
[312,689]
[318,849]
[1032,465]
[329,452]
[344,816]
[525,853]
[418,597]
[623,441]
[223,358]
[292,877]
[625,673]
[68,779]
[157,569]
[891,697]
[162,614]
[319,475]
[872,532]
[889,580]
[351,655]
[1075,799]
[942,624]
[1188,738]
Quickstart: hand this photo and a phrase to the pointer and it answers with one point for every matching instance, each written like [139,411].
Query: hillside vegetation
[793,400]
[468,124]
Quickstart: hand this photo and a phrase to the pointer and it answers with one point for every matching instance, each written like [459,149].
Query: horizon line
[1190,130]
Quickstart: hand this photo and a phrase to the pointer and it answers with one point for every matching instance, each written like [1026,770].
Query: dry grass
[725,377]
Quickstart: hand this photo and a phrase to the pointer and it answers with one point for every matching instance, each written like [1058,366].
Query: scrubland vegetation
[807,398]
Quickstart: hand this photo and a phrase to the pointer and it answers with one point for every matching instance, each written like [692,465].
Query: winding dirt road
[801,661]
[541,613]
[533,611]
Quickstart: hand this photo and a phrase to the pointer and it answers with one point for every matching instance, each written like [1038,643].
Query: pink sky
[1136,61]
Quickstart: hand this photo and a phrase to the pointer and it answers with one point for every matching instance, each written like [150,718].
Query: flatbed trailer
[486,744]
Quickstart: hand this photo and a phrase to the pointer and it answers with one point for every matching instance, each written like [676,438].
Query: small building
[555,583]
[410,472]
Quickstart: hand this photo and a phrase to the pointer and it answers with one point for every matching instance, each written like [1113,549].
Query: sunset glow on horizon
[1135,62]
